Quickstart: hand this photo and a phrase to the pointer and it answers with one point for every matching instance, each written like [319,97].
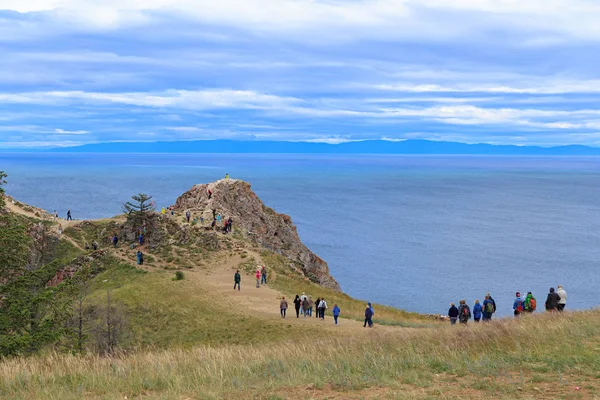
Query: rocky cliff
[232,198]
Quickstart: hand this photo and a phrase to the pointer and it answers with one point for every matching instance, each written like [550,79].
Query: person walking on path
[368,316]
[188,215]
[453,314]
[552,300]
[322,308]
[302,299]
[141,239]
[477,311]
[563,298]
[336,313]
[283,306]
[60,230]
[140,257]
[263,274]
[530,303]
[237,278]
[310,306]
[464,312]
[297,305]
[518,304]
[305,305]
[489,307]
[69,218]
[372,309]
[257,278]
[317,307]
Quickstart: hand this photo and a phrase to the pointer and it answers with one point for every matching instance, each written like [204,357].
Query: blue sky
[493,71]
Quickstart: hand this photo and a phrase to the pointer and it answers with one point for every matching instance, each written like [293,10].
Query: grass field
[541,357]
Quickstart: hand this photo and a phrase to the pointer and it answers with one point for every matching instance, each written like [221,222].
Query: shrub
[179,276]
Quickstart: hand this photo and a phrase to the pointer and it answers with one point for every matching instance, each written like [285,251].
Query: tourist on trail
[140,257]
[372,309]
[488,308]
[69,218]
[310,306]
[115,240]
[305,306]
[453,313]
[552,300]
[227,176]
[283,306]
[302,298]
[55,215]
[214,223]
[477,311]
[209,194]
[257,278]
[368,316]
[563,298]
[60,229]
[336,313]
[297,305]
[317,307]
[530,303]
[518,305]
[188,215]
[141,239]
[163,211]
[464,312]
[263,274]
[237,278]
[322,308]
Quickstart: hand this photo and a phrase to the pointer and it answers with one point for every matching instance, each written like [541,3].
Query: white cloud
[66,132]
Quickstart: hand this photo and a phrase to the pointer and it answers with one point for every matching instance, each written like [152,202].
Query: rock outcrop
[232,198]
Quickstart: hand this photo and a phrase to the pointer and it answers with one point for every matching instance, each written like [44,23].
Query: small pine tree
[2,182]
[140,206]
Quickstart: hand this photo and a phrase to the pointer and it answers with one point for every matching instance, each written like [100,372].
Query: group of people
[69,217]
[261,277]
[555,301]
[304,305]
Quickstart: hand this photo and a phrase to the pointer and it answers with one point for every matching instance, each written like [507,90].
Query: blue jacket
[477,310]
[517,301]
[372,310]
[336,311]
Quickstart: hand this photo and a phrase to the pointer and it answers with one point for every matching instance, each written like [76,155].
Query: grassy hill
[197,338]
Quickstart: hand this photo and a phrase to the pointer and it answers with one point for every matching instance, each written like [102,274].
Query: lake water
[409,231]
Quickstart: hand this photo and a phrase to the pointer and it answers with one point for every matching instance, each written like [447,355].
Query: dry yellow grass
[544,356]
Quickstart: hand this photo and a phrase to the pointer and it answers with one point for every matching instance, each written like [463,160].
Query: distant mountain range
[363,147]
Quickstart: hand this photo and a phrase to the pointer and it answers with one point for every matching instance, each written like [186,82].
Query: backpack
[519,306]
[465,311]
[532,304]
[489,308]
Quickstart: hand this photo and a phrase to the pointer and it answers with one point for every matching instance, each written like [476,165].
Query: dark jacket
[297,302]
[368,313]
[464,312]
[453,312]
[552,301]
[237,277]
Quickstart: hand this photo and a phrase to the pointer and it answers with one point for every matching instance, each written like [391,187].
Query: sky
[476,71]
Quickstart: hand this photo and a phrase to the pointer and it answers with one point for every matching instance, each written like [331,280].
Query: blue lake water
[409,231]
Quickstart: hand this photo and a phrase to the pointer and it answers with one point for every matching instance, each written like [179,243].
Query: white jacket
[563,296]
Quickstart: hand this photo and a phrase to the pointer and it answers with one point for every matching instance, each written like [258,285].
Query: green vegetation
[179,275]
[139,208]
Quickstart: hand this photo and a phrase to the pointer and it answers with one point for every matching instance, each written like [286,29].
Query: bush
[179,276]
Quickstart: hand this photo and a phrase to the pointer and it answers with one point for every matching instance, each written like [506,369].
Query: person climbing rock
[477,311]
[69,218]
[464,312]
[283,306]
[368,316]
[336,313]
[563,298]
[297,305]
[453,314]
[257,278]
[188,215]
[237,278]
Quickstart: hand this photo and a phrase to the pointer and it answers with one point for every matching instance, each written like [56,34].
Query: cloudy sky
[494,71]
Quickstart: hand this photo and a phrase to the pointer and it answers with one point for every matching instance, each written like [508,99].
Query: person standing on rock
[563,298]
[55,215]
[283,306]
[140,258]
[336,313]
[141,239]
[115,240]
[227,176]
[368,316]
[163,211]
[209,194]
[69,218]
[263,274]
[297,305]
[188,215]
[237,278]
[257,278]
[60,230]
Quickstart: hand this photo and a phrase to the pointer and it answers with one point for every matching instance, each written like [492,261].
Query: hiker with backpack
[322,308]
[283,306]
[530,303]
[477,311]
[518,305]
[464,312]
[237,278]
[552,301]
[453,314]
[489,307]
